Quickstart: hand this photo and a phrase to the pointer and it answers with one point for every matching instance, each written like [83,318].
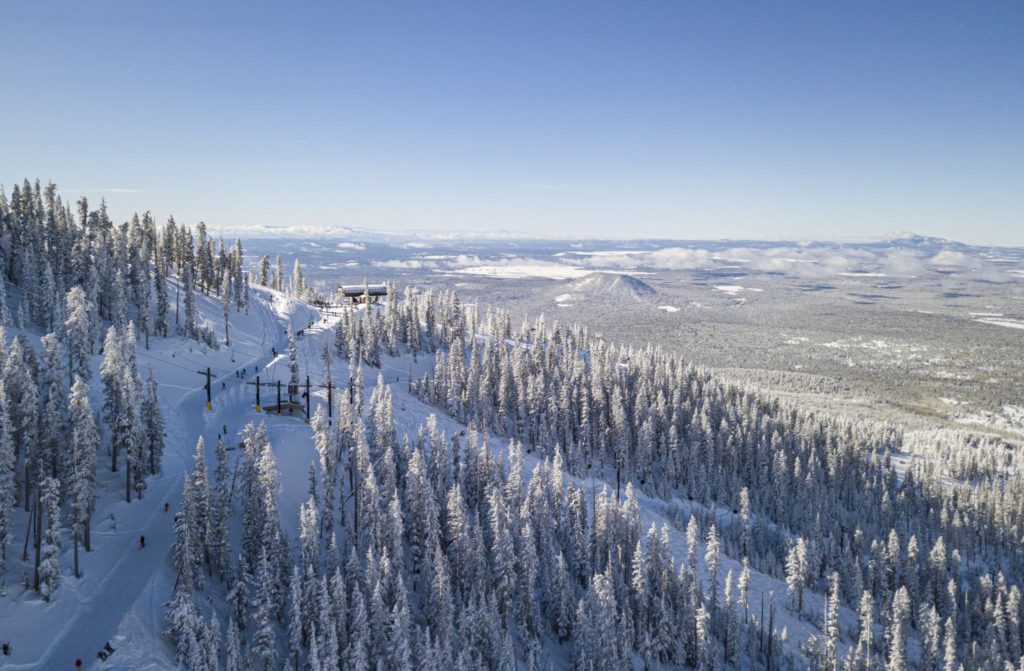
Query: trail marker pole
[279,397]
[257,393]
[307,400]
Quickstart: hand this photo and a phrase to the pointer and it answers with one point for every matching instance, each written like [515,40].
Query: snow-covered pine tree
[78,330]
[264,638]
[264,270]
[53,429]
[293,359]
[152,425]
[22,409]
[85,441]
[220,546]
[49,566]
[796,574]
[226,305]
[162,306]
[7,472]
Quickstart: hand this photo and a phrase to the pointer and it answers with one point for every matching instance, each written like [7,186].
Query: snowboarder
[78,663]
[6,649]
[142,542]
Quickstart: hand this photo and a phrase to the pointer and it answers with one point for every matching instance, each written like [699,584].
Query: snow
[734,289]
[668,308]
[1008,323]
[539,269]
[729,288]
[121,598]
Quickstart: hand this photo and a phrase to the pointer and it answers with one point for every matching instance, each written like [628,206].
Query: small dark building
[362,293]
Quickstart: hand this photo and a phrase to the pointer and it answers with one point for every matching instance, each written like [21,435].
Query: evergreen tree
[162,306]
[897,634]
[264,269]
[7,482]
[293,359]
[296,641]
[49,568]
[187,287]
[830,627]
[78,330]
[264,636]
[711,558]
[233,648]
[152,419]
[796,573]
[22,410]
[220,546]
[84,443]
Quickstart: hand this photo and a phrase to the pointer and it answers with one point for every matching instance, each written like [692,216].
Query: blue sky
[626,119]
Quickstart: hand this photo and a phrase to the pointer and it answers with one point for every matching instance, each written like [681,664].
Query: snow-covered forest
[466,493]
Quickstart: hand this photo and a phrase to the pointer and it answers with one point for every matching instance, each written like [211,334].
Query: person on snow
[142,542]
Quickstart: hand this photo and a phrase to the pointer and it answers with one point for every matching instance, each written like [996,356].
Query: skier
[142,542]
[107,651]
[167,506]
[6,649]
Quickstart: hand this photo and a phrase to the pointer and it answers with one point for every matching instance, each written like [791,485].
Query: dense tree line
[407,545]
[81,286]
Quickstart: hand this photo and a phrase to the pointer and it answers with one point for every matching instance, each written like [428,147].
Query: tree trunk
[38,540]
[28,533]
[78,573]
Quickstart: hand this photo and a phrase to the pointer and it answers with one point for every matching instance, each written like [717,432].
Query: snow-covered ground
[121,598]
[1008,323]
[121,595]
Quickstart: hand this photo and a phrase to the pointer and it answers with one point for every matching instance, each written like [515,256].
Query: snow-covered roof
[359,289]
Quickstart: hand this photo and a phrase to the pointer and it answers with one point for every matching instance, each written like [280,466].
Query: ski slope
[122,595]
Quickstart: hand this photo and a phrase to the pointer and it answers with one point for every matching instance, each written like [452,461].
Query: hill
[613,285]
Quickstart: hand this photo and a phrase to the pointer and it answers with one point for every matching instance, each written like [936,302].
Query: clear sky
[627,119]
